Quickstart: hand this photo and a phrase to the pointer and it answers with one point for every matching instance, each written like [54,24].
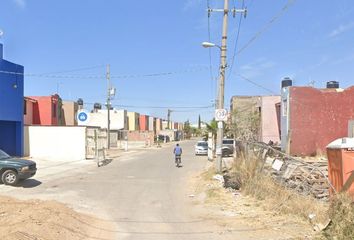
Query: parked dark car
[13,170]
[227,147]
[163,138]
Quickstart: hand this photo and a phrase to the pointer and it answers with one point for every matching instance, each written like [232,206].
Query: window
[24,107]
[228,141]
[285,107]
[202,144]
[54,110]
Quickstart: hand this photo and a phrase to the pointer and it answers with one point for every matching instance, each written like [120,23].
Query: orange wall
[43,110]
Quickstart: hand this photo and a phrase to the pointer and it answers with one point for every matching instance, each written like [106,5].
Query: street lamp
[220,103]
[209,45]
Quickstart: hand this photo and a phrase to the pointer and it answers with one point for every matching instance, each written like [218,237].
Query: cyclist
[178,152]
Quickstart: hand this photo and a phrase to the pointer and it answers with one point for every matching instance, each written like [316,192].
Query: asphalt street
[141,191]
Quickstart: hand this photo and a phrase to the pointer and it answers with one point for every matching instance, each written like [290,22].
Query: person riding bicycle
[178,152]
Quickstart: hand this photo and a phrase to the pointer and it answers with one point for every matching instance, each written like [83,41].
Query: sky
[155,53]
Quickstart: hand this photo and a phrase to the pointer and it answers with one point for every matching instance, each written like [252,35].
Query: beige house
[265,108]
[133,121]
[69,110]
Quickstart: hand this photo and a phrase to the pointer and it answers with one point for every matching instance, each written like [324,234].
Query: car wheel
[10,177]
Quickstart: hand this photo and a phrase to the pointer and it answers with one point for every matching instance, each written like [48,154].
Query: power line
[158,107]
[210,56]
[163,107]
[159,74]
[236,41]
[267,25]
[77,69]
[257,84]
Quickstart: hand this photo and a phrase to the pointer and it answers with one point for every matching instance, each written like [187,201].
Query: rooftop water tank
[332,84]
[80,102]
[286,82]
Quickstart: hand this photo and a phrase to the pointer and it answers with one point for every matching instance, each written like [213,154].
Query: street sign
[82,117]
[220,114]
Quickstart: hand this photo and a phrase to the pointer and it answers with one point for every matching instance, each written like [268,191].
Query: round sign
[82,117]
[220,114]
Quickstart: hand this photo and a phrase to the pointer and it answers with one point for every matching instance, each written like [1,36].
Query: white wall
[55,143]
[151,123]
[118,119]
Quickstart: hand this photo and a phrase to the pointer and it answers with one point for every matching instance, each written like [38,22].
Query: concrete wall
[11,107]
[141,137]
[269,120]
[244,104]
[100,119]
[69,113]
[317,117]
[55,143]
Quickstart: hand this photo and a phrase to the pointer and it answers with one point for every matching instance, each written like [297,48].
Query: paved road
[143,192]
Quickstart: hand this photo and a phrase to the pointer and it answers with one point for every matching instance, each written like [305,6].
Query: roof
[342,143]
[30,99]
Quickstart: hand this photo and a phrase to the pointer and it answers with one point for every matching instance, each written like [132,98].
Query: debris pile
[305,177]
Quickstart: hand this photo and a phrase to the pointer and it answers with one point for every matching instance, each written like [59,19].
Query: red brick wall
[147,136]
[317,117]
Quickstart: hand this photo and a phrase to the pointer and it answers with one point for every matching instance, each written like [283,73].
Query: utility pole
[168,118]
[223,65]
[108,77]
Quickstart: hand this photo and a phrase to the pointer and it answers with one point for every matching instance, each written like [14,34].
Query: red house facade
[144,122]
[47,110]
[312,118]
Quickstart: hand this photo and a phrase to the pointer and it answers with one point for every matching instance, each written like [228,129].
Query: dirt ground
[47,220]
[232,209]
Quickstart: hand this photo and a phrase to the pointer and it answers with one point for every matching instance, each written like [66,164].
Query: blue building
[11,106]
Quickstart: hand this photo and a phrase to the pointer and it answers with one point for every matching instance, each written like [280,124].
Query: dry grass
[274,196]
[342,215]
[284,201]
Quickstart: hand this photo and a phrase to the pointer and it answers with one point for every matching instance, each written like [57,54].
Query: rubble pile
[304,176]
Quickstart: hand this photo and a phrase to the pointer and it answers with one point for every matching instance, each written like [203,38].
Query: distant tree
[199,122]
[187,129]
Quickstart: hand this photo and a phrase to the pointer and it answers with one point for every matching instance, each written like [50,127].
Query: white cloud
[20,3]
[341,29]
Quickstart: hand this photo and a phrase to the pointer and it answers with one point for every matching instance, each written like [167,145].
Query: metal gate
[96,144]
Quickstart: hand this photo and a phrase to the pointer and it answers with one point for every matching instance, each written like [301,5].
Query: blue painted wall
[11,107]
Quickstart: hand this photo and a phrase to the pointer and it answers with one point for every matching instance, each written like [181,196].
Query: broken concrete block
[277,165]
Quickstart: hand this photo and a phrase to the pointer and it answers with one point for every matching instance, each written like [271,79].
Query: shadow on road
[104,162]
[29,183]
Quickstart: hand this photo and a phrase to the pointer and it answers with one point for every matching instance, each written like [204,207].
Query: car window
[202,144]
[228,141]
[3,155]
